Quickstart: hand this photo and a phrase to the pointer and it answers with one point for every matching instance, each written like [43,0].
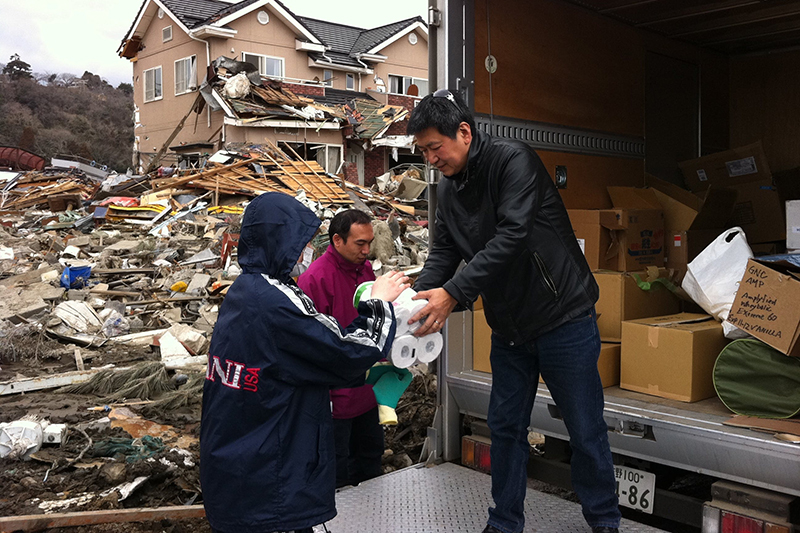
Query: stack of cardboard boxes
[639,251]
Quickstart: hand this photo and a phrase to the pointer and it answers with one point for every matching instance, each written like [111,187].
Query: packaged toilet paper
[404,306]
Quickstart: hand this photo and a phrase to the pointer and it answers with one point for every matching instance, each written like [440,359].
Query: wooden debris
[265,171]
[46,382]
[39,522]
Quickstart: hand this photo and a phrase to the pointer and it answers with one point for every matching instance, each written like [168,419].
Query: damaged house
[349,89]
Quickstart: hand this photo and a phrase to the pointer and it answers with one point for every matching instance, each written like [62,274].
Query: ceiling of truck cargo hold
[728,26]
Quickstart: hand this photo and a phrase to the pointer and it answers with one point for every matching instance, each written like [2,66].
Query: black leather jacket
[505,218]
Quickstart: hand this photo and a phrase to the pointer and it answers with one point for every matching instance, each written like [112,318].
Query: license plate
[635,489]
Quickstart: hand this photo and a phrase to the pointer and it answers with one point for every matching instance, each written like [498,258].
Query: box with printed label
[628,237]
[758,208]
[621,298]
[671,356]
[767,304]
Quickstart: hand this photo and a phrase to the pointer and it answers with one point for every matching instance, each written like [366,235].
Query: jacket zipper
[548,279]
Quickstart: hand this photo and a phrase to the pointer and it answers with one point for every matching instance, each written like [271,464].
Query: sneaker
[604,529]
[491,529]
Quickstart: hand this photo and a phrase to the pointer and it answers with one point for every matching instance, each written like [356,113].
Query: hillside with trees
[64,114]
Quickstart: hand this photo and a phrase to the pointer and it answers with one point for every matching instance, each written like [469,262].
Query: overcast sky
[56,36]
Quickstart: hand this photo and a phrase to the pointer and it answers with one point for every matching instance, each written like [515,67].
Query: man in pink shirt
[330,282]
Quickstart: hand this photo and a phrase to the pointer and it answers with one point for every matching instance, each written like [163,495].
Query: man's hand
[440,305]
[389,286]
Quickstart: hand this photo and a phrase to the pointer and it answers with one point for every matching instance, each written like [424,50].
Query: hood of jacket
[275,229]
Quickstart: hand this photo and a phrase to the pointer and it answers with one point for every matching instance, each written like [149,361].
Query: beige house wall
[158,119]
[404,59]
[274,39]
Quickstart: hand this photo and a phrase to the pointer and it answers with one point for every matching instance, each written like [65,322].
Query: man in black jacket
[500,212]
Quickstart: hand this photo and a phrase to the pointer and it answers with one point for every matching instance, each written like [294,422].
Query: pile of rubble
[238,90]
[107,312]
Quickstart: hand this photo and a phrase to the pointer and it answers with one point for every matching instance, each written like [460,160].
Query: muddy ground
[60,474]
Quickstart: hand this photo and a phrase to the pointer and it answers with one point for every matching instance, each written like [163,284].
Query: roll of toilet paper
[363,292]
[402,355]
[429,347]
[405,296]
[401,316]
[414,307]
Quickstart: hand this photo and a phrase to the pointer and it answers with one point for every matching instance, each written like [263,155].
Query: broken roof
[271,99]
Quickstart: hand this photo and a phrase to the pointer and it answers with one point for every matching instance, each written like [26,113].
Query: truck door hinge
[434,17]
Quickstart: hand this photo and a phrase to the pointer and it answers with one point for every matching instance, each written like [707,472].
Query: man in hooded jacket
[266,442]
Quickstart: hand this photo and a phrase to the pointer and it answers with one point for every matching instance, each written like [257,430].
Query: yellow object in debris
[226,209]
[180,286]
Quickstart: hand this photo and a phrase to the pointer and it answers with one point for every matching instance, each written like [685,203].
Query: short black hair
[442,113]
[340,224]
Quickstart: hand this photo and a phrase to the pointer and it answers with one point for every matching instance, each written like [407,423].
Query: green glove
[388,383]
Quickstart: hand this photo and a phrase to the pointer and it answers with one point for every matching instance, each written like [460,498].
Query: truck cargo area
[447,498]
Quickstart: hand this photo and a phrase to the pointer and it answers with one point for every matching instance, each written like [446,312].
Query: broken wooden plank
[46,382]
[39,522]
[202,175]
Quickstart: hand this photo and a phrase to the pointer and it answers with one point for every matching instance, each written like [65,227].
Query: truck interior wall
[560,64]
[765,105]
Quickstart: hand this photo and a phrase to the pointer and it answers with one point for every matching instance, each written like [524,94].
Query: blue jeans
[567,359]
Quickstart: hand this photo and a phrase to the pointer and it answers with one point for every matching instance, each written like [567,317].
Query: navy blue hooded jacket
[266,443]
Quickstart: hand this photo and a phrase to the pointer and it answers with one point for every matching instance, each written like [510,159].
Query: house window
[152,84]
[271,67]
[400,84]
[329,156]
[166,34]
[185,75]
[351,82]
[327,78]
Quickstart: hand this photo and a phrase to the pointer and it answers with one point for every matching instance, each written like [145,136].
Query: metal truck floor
[447,499]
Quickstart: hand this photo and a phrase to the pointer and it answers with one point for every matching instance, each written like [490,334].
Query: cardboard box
[691,222]
[723,169]
[594,238]
[622,299]
[481,342]
[609,363]
[628,238]
[767,304]
[671,356]
[793,224]
[745,170]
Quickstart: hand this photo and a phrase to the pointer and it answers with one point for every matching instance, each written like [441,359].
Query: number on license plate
[635,489]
